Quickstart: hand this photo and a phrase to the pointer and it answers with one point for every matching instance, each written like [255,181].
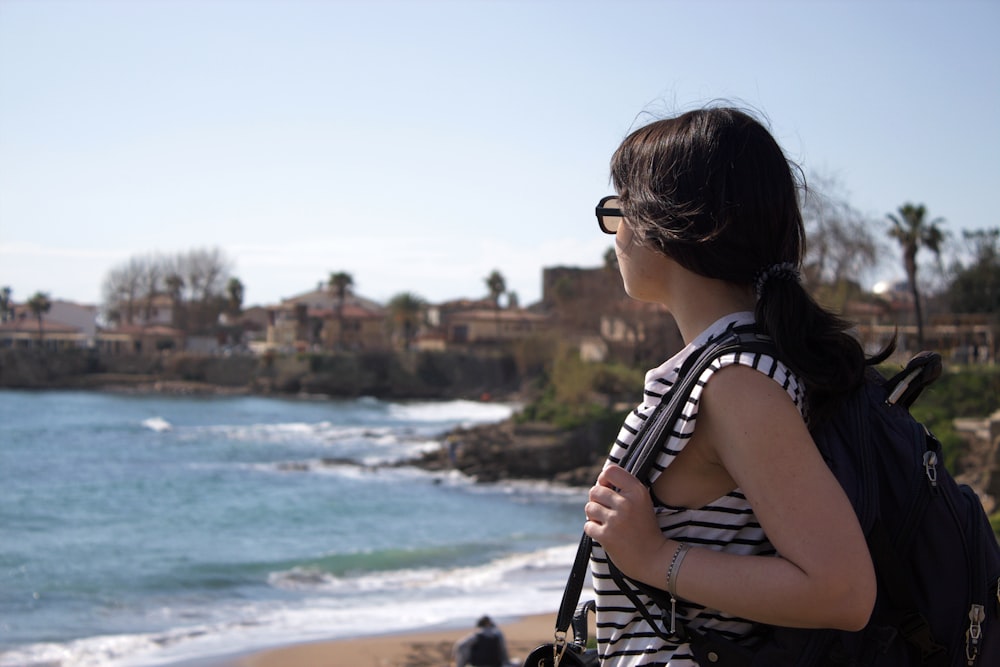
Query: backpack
[485,650]
[936,557]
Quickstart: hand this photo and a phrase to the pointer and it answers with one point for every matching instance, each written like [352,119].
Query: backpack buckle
[917,632]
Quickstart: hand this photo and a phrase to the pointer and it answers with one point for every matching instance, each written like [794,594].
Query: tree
[496,285]
[841,245]
[405,309]
[122,291]
[340,284]
[975,288]
[5,304]
[195,280]
[611,260]
[39,304]
[913,231]
[234,296]
[206,272]
[175,290]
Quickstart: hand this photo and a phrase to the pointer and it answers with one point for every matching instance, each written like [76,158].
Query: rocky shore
[533,450]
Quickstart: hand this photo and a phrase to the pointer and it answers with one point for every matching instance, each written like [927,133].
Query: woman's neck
[698,302]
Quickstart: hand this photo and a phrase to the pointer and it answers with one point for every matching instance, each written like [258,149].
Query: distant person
[483,648]
[453,446]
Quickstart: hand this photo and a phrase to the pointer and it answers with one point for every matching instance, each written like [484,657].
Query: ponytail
[814,342]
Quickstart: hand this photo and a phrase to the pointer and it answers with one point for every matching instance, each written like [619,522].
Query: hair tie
[781,271]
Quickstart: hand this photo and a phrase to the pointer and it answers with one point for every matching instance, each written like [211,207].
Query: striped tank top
[728,524]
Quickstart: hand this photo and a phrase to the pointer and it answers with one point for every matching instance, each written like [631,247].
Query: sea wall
[347,374]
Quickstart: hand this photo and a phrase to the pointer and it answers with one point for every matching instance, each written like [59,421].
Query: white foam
[463,412]
[158,424]
[372,604]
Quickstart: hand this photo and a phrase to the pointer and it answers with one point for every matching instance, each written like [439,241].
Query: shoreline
[430,647]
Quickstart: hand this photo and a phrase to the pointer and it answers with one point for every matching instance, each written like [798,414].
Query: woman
[743,523]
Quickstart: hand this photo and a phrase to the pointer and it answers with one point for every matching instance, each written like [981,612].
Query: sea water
[149,529]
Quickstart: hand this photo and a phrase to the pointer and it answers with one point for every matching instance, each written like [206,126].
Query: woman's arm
[823,577]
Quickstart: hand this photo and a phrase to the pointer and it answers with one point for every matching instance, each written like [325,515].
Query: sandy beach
[422,649]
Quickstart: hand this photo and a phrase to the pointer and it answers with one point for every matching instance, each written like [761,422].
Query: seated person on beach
[483,648]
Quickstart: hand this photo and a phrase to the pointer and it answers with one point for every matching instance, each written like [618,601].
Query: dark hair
[712,190]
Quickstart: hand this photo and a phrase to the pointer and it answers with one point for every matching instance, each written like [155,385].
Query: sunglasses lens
[609,215]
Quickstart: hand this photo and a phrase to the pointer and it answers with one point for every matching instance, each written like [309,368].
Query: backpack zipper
[930,469]
[974,555]
[922,492]
[977,614]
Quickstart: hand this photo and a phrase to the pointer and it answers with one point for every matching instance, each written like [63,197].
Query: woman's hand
[621,519]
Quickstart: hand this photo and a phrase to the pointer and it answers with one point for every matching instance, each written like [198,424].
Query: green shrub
[575,392]
[968,391]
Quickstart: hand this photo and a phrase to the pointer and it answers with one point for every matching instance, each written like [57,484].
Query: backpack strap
[647,442]
[903,389]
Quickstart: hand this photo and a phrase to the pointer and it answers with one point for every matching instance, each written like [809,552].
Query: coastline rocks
[532,450]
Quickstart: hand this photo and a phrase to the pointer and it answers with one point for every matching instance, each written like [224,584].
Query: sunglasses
[609,214]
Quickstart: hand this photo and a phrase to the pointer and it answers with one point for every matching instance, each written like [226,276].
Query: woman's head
[712,190]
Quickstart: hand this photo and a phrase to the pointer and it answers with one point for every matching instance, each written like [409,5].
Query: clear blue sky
[420,144]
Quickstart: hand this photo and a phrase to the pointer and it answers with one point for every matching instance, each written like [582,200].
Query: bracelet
[675,566]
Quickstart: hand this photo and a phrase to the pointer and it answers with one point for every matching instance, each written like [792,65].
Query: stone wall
[981,462]
[429,374]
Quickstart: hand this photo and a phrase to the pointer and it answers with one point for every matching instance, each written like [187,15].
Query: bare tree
[122,292]
[840,243]
[195,280]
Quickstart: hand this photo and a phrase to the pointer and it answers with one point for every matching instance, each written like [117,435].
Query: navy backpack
[936,557]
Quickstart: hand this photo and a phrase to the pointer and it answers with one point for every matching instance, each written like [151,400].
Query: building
[478,326]
[65,325]
[319,320]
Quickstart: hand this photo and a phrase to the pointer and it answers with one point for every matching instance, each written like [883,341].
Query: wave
[400,431]
[463,412]
[341,606]
[158,424]
[512,569]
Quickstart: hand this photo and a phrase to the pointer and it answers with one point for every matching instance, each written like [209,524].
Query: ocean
[142,530]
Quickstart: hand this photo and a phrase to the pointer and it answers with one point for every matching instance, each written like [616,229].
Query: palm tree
[39,304]
[406,308]
[340,284]
[913,232]
[5,303]
[234,296]
[175,288]
[497,286]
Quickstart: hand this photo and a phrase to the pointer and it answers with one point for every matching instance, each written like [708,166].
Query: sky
[419,145]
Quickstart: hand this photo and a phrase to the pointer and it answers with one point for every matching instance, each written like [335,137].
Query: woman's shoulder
[752,376]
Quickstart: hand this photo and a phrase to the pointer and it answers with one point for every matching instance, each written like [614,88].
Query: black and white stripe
[727,524]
